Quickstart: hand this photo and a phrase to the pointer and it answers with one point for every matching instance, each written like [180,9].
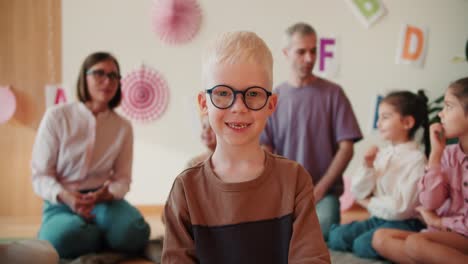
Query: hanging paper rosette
[7,104]
[145,94]
[176,21]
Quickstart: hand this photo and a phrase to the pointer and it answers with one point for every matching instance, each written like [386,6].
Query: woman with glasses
[82,168]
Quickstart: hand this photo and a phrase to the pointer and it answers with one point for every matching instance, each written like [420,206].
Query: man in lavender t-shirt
[313,124]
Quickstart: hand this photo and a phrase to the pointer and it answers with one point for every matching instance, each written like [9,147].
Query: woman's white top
[76,150]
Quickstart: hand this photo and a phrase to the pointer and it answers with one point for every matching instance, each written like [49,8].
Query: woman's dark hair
[459,89]
[82,86]
[410,104]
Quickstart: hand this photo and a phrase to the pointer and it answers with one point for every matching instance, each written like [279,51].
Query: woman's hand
[370,155]
[438,139]
[79,203]
[430,218]
[101,195]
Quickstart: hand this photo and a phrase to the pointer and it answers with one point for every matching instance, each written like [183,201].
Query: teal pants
[357,236]
[328,213]
[117,226]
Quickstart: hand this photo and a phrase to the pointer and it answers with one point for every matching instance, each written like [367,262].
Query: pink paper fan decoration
[145,94]
[176,21]
[7,104]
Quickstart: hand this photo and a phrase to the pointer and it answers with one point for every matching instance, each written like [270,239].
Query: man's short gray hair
[301,28]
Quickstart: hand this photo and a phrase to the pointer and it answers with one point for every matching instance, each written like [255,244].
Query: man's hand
[335,169]
[430,218]
[320,190]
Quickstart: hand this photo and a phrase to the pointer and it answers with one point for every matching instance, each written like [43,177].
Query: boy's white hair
[237,47]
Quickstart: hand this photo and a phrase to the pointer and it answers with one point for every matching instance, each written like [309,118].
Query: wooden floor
[19,227]
[27,227]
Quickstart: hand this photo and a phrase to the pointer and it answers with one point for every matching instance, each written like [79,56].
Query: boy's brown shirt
[270,219]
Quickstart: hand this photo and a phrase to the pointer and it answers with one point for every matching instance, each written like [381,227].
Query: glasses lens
[100,75]
[222,96]
[113,76]
[255,98]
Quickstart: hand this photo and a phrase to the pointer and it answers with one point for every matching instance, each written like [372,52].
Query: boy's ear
[408,122]
[272,103]
[202,102]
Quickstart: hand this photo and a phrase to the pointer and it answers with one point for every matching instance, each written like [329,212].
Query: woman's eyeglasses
[223,97]
[100,75]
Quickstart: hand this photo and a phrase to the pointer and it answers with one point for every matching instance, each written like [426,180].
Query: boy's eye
[223,93]
[252,94]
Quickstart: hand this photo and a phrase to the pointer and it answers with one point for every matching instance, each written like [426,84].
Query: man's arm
[337,167]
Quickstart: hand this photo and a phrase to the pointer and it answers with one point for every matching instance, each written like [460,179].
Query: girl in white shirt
[82,168]
[387,182]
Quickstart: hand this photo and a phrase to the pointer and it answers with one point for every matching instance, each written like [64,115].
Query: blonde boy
[243,204]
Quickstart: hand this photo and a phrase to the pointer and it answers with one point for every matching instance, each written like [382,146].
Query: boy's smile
[237,125]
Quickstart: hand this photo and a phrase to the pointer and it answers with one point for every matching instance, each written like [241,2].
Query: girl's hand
[370,155]
[78,203]
[430,218]
[437,144]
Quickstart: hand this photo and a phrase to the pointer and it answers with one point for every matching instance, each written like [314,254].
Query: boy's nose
[239,105]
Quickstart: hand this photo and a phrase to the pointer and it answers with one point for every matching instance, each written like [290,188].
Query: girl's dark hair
[459,89]
[82,86]
[415,105]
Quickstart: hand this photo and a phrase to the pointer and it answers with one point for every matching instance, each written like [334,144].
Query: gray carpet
[338,257]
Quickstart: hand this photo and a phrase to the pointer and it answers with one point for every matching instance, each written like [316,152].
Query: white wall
[367,66]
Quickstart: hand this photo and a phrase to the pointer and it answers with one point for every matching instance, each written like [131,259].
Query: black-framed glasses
[223,96]
[100,75]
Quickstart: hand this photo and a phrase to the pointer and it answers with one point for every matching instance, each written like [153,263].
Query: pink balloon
[7,104]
